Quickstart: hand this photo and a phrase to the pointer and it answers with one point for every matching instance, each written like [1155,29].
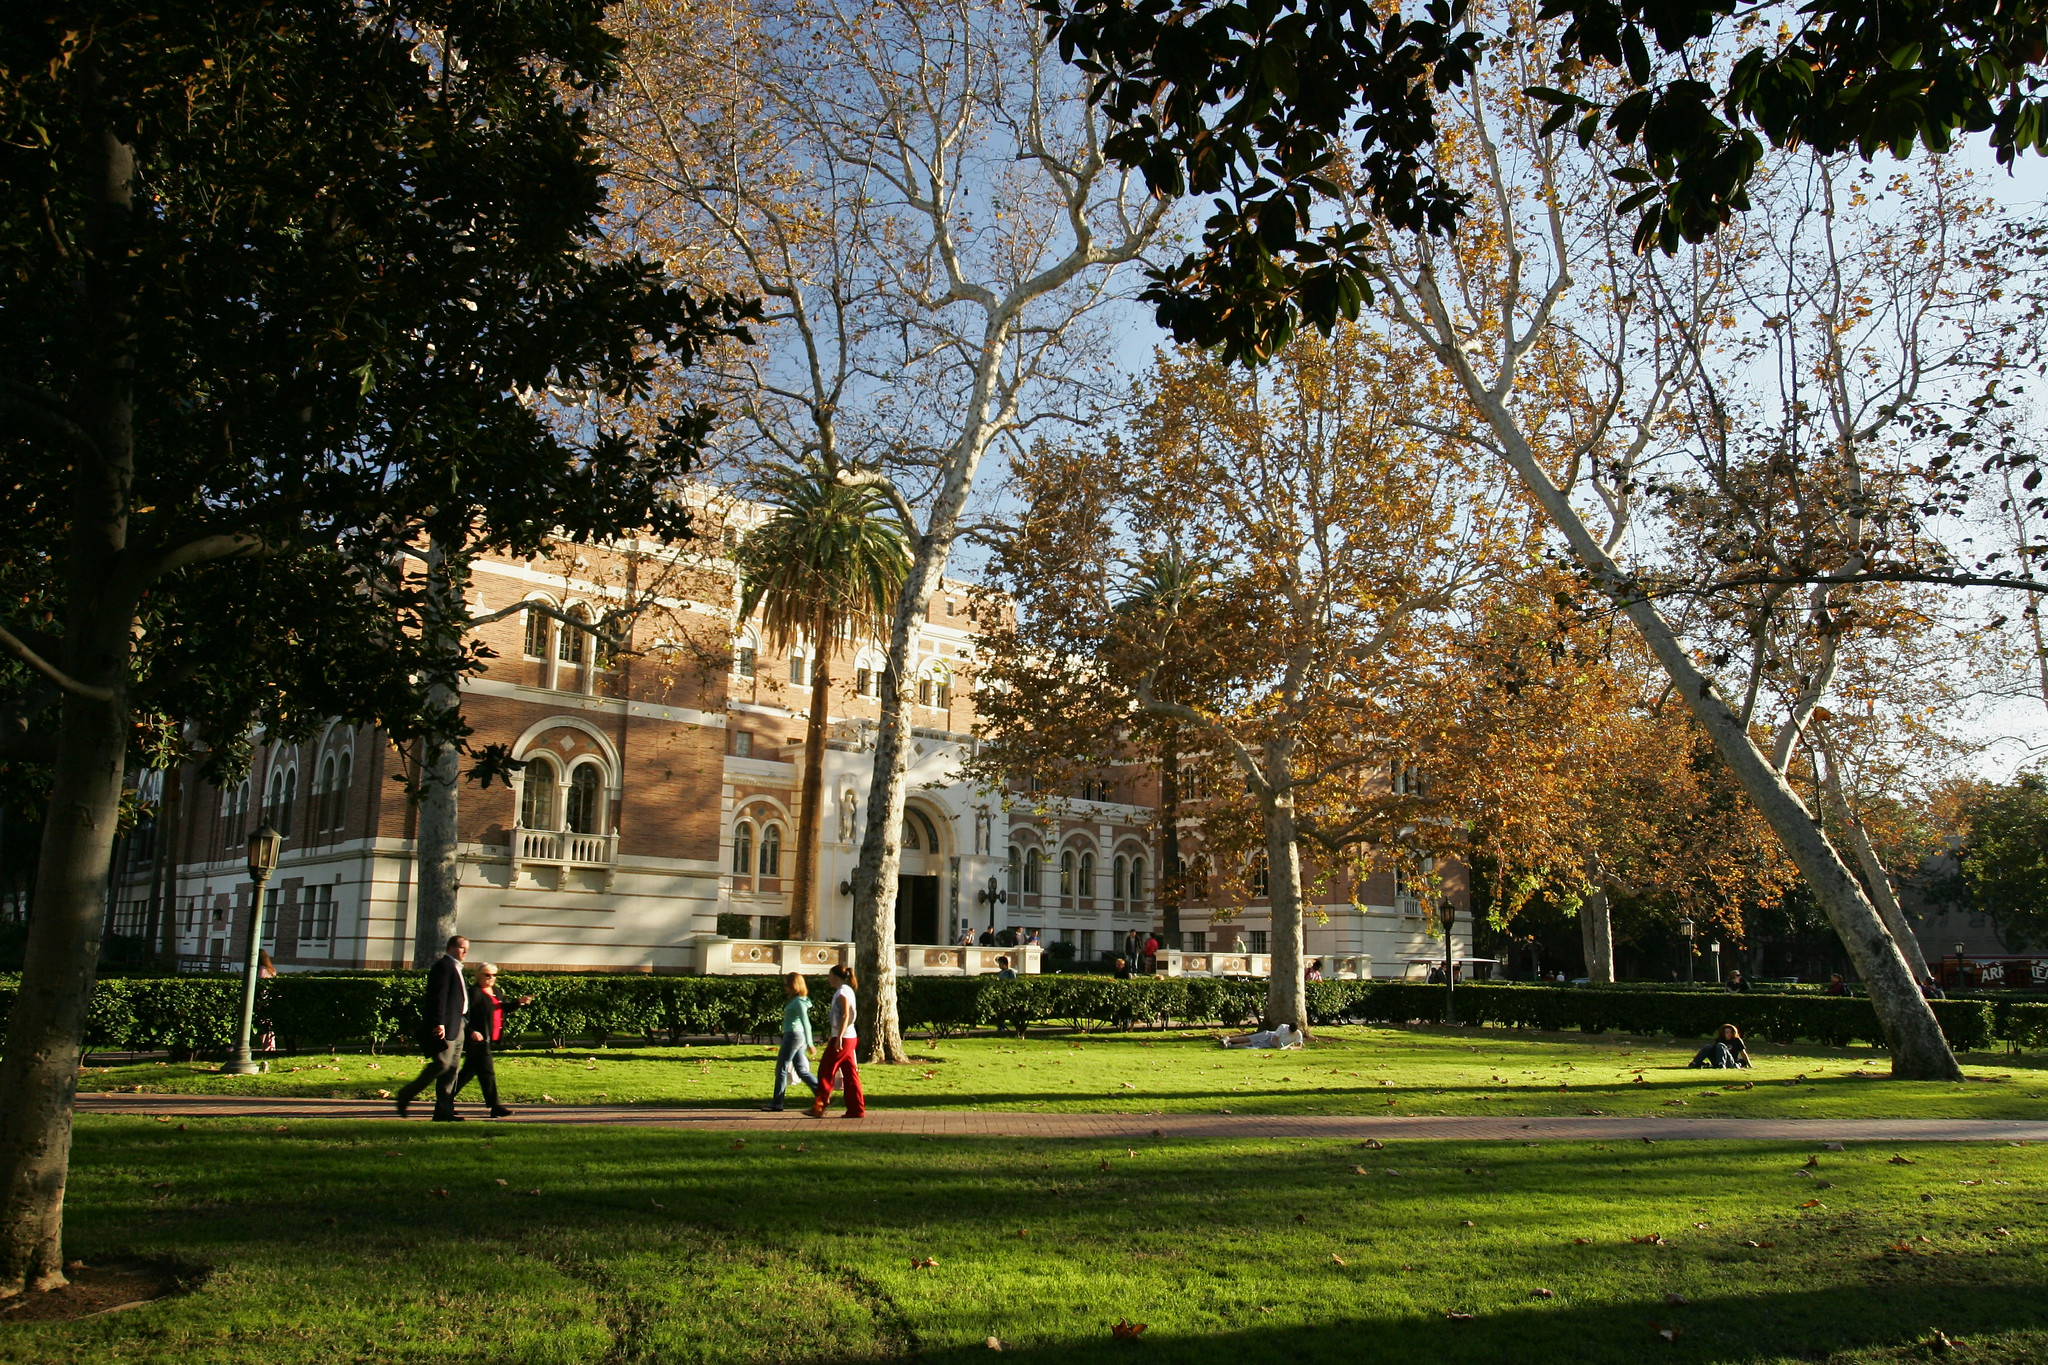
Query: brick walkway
[1121,1127]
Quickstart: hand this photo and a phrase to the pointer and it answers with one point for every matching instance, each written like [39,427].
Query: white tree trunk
[1286,987]
[1596,935]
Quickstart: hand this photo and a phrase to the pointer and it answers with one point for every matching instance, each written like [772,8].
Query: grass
[1348,1071]
[331,1242]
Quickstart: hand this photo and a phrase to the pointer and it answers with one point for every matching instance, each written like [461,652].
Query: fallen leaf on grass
[1652,1239]
[502,1180]
[391,1154]
[1104,1165]
[1703,1225]
[1023,1232]
[1360,1170]
[1301,1218]
[282,1130]
[1373,1144]
[995,1344]
[1582,1241]
[1676,1102]
[1159,1132]
[1459,1317]
[533,1191]
[1470,1224]
[1760,1245]
[1813,1204]
[441,1193]
[924,1263]
[1833,1147]
[1338,1259]
[1676,1299]
[1999,1232]
[1542,1294]
[1668,1333]
[1810,1163]
[1126,1331]
[383,1094]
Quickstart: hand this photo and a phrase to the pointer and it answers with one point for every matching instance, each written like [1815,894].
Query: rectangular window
[1258,938]
[944,693]
[743,744]
[1199,940]
[1087,943]
[924,691]
[743,664]
[316,915]
[864,681]
[273,898]
[949,606]
[796,669]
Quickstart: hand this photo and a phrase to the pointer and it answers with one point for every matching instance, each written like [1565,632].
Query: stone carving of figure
[846,815]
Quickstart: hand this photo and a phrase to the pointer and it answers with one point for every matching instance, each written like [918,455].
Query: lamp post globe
[264,843]
[1688,928]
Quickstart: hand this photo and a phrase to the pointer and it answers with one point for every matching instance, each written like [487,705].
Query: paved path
[1119,1127]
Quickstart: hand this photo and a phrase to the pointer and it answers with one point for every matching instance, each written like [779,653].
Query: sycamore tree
[1741,449]
[919,192]
[286,294]
[1334,544]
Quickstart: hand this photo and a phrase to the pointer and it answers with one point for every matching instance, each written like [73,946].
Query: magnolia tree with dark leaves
[289,292]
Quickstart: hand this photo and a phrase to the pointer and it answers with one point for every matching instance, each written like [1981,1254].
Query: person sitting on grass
[795,1057]
[1725,1053]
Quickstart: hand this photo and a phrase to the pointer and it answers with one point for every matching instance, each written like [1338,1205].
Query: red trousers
[839,1056]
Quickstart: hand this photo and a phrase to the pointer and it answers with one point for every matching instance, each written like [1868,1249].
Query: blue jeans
[793,1060]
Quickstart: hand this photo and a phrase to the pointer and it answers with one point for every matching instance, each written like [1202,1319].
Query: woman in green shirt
[796,1040]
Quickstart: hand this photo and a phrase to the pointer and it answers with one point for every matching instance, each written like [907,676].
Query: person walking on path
[840,1042]
[441,1016]
[795,1058]
[484,1027]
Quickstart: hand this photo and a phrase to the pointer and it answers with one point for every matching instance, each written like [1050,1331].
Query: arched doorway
[917,883]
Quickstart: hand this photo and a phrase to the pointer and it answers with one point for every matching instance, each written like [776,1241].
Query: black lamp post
[263,846]
[1447,915]
[1689,929]
[1715,949]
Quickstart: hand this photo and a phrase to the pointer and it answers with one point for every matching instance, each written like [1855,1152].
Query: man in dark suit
[441,1016]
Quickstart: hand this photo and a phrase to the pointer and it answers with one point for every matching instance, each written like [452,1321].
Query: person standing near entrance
[441,1018]
[840,1042]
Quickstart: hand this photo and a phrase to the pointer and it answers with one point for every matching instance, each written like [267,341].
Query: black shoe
[403,1104]
[499,1111]
[771,1108]
[448,1118]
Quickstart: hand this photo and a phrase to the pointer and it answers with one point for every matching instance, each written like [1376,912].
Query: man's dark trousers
[444,1064]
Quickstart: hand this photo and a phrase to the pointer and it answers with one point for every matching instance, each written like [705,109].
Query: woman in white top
[841,1040]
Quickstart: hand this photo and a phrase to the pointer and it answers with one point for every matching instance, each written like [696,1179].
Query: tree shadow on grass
[1788,1324]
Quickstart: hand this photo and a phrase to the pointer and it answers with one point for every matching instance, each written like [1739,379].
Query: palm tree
[824,565]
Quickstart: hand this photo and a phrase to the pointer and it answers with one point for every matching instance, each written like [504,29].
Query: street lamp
[1960,964]
[1715,949]
[263,846]
[991,896]
[1687,927]
[1447,914]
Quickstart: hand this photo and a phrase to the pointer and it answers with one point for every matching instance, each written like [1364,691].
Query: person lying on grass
[1284,1036]
[1725,1053]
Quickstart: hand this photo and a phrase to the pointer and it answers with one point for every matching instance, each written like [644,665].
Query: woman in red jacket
[486,1025]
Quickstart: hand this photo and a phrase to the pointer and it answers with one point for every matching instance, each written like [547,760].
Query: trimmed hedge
[196,1014]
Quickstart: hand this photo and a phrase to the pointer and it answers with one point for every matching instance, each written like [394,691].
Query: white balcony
[565,851]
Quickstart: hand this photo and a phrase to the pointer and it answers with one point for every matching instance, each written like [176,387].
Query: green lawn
[1347,1071]
[332,1242]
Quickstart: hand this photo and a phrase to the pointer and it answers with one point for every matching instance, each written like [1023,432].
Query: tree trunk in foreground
[1168,878]
[881,861]
[46,1029]
[1919,1051]
[804,918]
[440,869]
[1286,987]
[1596,935]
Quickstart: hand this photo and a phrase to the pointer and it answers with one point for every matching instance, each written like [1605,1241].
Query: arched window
[237,815]
[1067,872]
[1137,881]
[1262,882]
[1118,873]
[344,771]
[273,798]
[569,645]
[1087,886]
[919,834]
[285,802]
[605,647]
[537,628]
[1016,870]
[584,811]
[771,850]
[323,792]
[1034,871]
[537,805]
[743,848]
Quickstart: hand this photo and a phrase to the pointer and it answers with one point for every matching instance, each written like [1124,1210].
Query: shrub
[198,1014]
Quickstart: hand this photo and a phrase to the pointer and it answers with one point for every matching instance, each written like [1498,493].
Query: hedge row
[196,1014]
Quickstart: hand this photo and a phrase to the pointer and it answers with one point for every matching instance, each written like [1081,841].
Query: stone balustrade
[716,956]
